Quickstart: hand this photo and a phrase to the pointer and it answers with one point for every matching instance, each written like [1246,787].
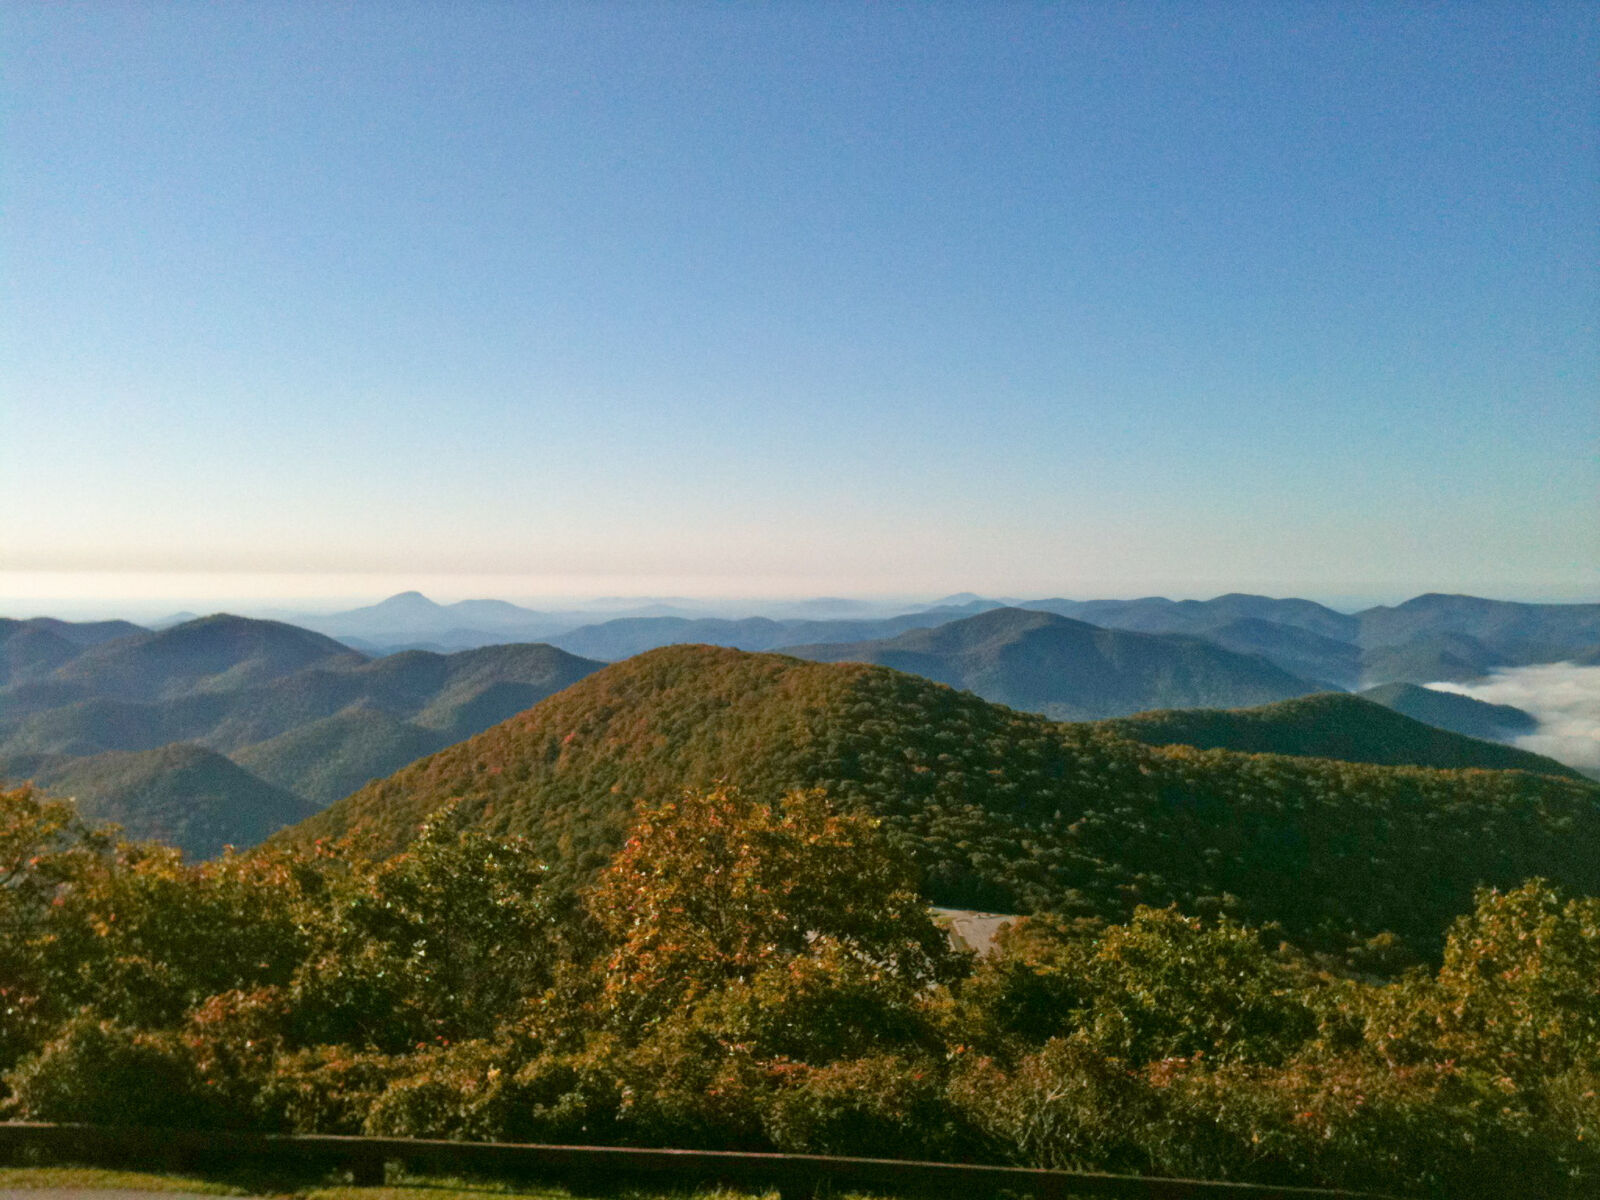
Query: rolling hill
[1157,614]
[183,795]
[40,645]
[1427,639]
[1513,634]
[1044,663]
[330,758]
[1002,810]
[212,654]
[624,637]
[1452,711]
[1331,725]
[305,715]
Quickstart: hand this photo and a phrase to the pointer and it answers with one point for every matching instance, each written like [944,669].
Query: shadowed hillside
[330,758]
[1331,725]
[1001,810]
[183,795]
[1453,711]
[1063,668]
[300,710]
[213,654]
[40,645]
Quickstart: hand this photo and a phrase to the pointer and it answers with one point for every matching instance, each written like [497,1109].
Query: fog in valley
[1563,697]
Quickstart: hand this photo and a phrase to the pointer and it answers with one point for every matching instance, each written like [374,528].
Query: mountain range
[309,719]
[1070,670]
[296,712]
[1427,639]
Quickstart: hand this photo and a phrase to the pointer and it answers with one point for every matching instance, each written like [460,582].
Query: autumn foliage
[761,972]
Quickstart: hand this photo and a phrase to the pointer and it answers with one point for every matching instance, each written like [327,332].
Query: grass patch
[262,1184]
[101,1178]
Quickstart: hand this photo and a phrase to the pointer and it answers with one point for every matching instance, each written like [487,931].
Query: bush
[880,1106]
[459,1092]
[1426,1130]
[1065,1107]
[326,1089]
[1162,986]
[99,1073]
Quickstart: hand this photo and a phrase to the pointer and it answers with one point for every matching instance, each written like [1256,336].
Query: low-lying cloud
[1563,697]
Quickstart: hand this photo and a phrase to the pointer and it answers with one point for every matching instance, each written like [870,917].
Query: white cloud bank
[1563,697]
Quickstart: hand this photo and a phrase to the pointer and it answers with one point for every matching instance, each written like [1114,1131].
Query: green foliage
[1062,1107]
[43,847]
[143,937]
[1000,810]
[873,1106]
[1162,986]
[1518,993]
[1333,725]
[99,1073]
[760,975]
[714,888]
[459,921]
[323,1089]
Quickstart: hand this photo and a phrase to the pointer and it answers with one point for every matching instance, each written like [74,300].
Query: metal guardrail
[795,1176]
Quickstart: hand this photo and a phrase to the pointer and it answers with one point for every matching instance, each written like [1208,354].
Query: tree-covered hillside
[1331,725]
[1062,668]
[308,719]
[760,974]
[182,795]
[1453,711]
[999,809]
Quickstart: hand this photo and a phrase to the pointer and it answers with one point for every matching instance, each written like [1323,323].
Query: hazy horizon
[156,597]
[1094,300]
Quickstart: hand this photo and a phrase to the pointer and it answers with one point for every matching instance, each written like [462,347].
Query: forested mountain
[1452,711]
[1001,810]
[625,637]
[1157,614]
[230,682]
[309,714]
[182,795]
[330,758]
[303,712]
[1426,639]
[1331,725]
[220,653]
[1512,633]
[1069,670]
[41,644]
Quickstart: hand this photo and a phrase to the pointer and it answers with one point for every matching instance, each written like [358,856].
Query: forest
[759,970]
[1002,810]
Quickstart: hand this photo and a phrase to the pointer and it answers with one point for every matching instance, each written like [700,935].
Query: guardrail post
[366,1170]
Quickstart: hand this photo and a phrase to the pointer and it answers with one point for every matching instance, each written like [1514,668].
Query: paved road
[972,930]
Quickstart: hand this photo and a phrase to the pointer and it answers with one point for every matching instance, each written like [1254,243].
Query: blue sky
[522,300]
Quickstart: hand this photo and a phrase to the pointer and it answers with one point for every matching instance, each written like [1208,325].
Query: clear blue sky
[1076,299]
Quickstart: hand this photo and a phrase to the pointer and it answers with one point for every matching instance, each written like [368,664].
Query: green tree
[715,887]
[439,943]
[1162,986]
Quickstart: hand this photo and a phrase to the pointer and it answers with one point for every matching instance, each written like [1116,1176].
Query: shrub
[880,1106]
[326,1089]
[1065,1107]
[457,1092]
[100,1073]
